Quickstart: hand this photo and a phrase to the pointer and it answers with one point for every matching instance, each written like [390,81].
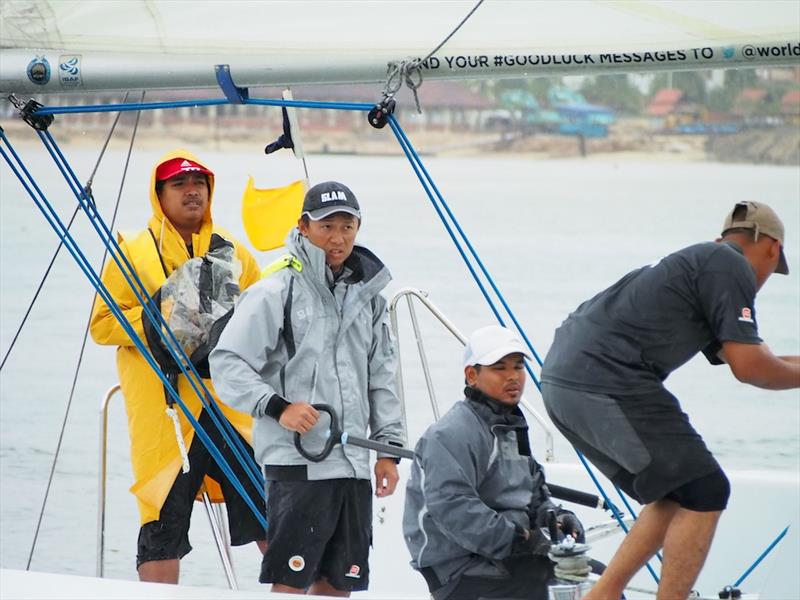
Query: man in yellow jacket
[181,189]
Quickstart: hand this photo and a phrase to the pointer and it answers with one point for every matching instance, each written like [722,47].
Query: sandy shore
[627,141]
[445,143]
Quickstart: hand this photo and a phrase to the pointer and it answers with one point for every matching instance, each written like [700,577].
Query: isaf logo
[332,196]
[747,315]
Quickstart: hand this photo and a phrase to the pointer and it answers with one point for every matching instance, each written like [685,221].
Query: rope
[452,33]
[52,218]
[93,108]
[36,293]
[571,568]
[18,104]
[761,557]
[86,330]
[409,71]
[171,343]
[430,188]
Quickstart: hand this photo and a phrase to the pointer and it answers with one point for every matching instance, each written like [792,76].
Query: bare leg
[685,549]
[262,546]
[160,571]
[279,587]
[642,542]
[321,587]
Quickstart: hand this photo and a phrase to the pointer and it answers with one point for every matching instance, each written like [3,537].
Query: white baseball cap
[489,344]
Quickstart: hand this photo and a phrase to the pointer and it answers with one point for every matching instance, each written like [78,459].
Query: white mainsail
[127,44]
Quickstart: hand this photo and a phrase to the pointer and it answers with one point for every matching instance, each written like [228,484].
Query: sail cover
[163,43]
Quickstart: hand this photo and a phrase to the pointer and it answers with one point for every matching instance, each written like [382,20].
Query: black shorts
[643,443]
[517,578]
[168,538]
[318,529]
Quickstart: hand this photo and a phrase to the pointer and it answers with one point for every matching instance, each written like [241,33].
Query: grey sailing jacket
[473,485]
[290,336]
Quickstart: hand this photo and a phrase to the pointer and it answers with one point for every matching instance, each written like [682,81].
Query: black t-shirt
[631,336]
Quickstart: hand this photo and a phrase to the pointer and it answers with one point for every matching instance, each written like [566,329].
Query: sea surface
[551,232]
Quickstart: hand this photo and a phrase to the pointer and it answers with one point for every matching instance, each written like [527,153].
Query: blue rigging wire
[440,206]
[174,347]
[141,293]
[406,143]
[54,221]
[422,174]
[761,557]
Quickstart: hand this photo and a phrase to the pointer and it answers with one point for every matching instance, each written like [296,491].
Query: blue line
[761,557]
[94,279]
[469,246]
[393,124]
[125,107]
[405,144]
[415,161]
[172,345]
[136,106]
[611,505]
[628,506]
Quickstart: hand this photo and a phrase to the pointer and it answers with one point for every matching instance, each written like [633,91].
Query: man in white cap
[602,384]
[476,498]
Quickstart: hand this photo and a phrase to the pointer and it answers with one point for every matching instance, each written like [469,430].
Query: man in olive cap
[602,384]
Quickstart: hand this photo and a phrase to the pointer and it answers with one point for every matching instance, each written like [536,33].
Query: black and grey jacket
[474,487]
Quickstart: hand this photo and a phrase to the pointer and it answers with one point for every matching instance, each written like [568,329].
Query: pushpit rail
[411,293]
[217,521]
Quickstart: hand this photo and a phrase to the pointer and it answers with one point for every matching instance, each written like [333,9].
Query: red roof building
[790,103]
[664,103]
[748,101]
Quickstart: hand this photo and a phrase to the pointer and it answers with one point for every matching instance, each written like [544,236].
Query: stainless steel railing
[219,526]
[410,294]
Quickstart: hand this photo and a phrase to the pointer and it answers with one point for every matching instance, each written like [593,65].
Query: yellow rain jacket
[154,449]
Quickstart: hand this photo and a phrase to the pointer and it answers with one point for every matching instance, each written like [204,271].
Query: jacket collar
[494,410]
[497,414]
[362,264]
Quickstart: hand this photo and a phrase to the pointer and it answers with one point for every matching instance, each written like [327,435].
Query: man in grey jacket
[476,498]
[315,330]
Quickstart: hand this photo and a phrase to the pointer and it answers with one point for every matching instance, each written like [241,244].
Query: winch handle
[333,437]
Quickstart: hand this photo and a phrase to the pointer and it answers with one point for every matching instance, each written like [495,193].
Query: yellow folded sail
[269,214]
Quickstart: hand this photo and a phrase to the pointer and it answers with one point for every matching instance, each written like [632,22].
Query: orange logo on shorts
[354,572]
[297,563]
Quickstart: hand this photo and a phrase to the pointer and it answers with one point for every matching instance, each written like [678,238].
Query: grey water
[551,233]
